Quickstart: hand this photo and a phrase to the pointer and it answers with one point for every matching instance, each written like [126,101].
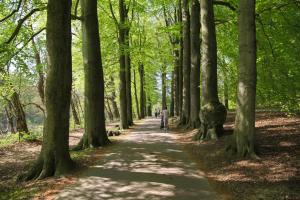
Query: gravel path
[148,164]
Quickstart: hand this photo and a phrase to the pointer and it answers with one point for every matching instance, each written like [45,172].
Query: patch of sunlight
[106,188]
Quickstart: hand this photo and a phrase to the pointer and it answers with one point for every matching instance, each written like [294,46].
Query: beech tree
[195,65]
[94,123]
[185,115]
[213,113]
[54,158]
[244,127]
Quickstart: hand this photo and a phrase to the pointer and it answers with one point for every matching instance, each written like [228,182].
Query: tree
[180,60]
[185,115]
[212,113]
[164,86]
[94,110]
[19,113]
[245,114]
[135,95]
[142,91]
[54,158]
[195,65]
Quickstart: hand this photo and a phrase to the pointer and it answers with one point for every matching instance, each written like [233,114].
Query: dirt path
[148,164]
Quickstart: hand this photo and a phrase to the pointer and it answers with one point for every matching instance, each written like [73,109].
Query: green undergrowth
[19,192]
[12,138]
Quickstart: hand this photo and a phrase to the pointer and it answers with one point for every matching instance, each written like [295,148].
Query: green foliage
[8,139]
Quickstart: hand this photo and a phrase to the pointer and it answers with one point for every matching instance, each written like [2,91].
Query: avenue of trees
[82,63]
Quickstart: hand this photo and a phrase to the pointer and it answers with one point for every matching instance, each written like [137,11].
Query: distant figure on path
[156,113]
[165,117]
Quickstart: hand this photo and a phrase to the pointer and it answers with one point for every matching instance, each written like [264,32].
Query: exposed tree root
[84,144]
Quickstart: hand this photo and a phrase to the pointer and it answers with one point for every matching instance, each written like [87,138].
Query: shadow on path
[149,165]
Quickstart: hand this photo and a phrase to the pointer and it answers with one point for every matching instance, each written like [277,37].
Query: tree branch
[113,14]
[226,4]
[20,23]
[31,38]
[13,12]
[76,7]
[75,17]
[36,105]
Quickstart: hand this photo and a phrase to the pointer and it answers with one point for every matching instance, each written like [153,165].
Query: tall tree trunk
[246,92]
[226,97]
[176,82]
[122,59]
[19,113]
[172,95]
[40,71]
[186,64]
[128,77]
[180,60]
[164,87]
[135,95]
[10,118]
[115,106]
[145,104]
[149,107]
[54,158]
[78,104]
[142,92]
[108,111]
[195,64]
[94,111]
[75,112]
[213,113]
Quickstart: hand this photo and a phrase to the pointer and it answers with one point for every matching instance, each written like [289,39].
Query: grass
[8,139]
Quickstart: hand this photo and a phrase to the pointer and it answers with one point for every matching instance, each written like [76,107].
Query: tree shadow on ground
[274,176]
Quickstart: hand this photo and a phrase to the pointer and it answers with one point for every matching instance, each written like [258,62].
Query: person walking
[165,118]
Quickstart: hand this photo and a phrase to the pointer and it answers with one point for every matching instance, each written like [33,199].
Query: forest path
[148,164]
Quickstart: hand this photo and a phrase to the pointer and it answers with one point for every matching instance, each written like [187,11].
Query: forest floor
[16,158]
[275,176]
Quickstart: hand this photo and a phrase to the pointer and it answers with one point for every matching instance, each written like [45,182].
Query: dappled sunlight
[147,164]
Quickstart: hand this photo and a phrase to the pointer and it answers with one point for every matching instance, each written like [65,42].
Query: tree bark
[226,96]
[75,112]
[19,113]
[136,96]
[145,104]
[246,91]
[115,106]
[108,110]
[142,92]
[164,87]
[172,95]
[128,76]
[195,65]
[122,59]
[149,107]
[54,158]
[176,83]
[213,113]
[40,71]
[94,110]
[10,118]
[180,60]
[186,64]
